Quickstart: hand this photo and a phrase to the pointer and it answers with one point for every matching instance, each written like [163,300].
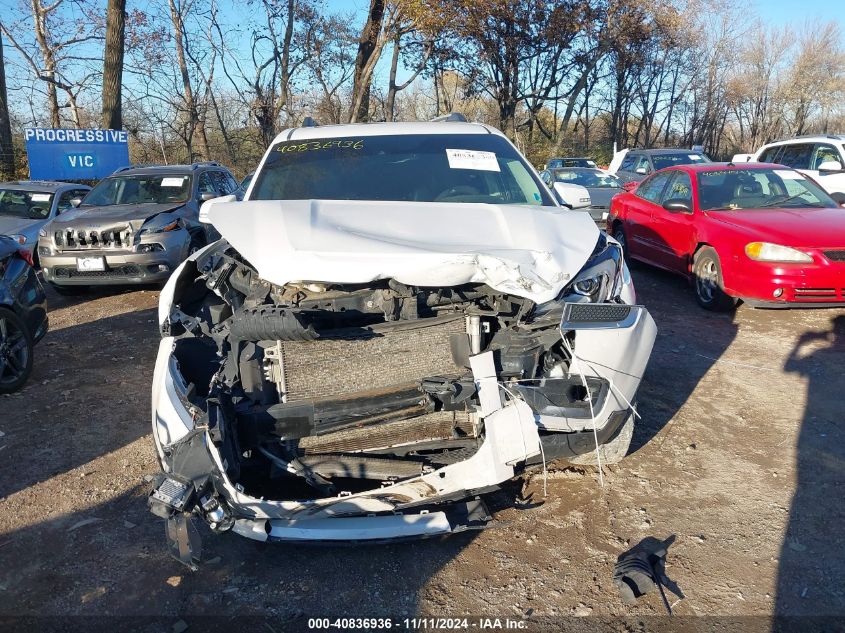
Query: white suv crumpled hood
[528,251]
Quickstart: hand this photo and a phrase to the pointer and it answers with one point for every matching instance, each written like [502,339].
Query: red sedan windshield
[733,189]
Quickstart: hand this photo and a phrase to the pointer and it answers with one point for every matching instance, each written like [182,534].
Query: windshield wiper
[778,202]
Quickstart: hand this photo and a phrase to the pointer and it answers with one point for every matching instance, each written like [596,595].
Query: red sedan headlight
[766,252]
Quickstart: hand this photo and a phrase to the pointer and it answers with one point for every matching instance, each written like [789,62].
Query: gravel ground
[740,456]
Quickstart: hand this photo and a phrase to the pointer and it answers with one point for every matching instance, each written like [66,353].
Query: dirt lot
[740,455]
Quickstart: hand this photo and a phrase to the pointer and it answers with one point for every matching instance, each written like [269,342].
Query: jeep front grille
[119,237]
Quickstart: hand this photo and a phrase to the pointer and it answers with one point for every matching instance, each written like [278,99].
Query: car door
[639,214]
[831,181]
[672,231]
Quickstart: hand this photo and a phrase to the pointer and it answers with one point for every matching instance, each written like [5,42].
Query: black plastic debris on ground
[642,570]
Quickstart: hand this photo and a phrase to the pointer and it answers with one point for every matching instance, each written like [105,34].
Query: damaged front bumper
[523,423]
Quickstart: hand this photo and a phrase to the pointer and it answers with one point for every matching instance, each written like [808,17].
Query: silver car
[134,227]
[27,205]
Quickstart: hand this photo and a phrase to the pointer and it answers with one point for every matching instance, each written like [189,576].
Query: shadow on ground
[813,553]
[675,369]
[88,395]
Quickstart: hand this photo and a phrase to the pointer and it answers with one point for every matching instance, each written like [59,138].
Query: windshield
[409,167]
[681,158]
[732,189]
[160,188]
[32,205]
[588,178]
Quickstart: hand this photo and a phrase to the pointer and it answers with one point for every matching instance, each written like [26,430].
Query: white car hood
[528,251]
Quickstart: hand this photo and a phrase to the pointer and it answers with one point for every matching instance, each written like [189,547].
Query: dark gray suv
[639,163]
[135,226]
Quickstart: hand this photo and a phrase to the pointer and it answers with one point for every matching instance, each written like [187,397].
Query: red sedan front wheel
[709,287]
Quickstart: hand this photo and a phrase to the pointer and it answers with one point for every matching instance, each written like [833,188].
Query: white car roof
[819,138]
[384,129]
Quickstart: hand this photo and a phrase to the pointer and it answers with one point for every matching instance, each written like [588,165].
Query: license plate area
[87,264]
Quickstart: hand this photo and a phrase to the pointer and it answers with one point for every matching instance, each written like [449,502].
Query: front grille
[68,272]
[818,295]
[330,368]
[835,256]
[597,312]
[119,237]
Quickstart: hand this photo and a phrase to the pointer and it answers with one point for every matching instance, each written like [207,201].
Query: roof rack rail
[212,163]
[309,122]
[452,116]
[138,166]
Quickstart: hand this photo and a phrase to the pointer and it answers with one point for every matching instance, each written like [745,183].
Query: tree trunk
[390,104]
[7,150]
[113,65]
[39,16]
[366,50]
[196,125]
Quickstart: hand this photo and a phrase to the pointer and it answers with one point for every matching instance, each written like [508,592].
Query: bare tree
[424,50]
[196,122]
[55,41]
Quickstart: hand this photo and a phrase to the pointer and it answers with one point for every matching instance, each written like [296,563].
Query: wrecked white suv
[397,319]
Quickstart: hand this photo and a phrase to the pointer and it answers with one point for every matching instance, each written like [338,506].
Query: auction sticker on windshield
[172,182]
[472,159]
[41,197]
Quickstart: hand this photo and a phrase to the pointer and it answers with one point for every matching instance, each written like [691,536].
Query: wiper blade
[778,202]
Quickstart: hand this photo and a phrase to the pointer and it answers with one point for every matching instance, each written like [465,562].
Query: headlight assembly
[154,229]
[766,252]
[599,281]
[20,239]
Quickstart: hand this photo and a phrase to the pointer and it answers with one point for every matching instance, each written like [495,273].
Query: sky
[794,12]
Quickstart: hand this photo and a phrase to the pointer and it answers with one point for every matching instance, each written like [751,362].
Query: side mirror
[838,198]
[572,196]
[75,202]
[205,209]
[678,205]
[205,196]
[642,170]
[830,167]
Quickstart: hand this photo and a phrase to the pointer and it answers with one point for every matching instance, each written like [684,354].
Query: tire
[197,242]
[708,283]
[16,348]
[613,451]
[619,236]
[68,291]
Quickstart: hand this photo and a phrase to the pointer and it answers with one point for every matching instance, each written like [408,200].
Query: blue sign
[60,154]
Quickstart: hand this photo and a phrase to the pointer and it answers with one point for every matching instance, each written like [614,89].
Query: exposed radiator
[330,368]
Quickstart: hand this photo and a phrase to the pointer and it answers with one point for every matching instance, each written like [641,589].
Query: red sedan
[762,233]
